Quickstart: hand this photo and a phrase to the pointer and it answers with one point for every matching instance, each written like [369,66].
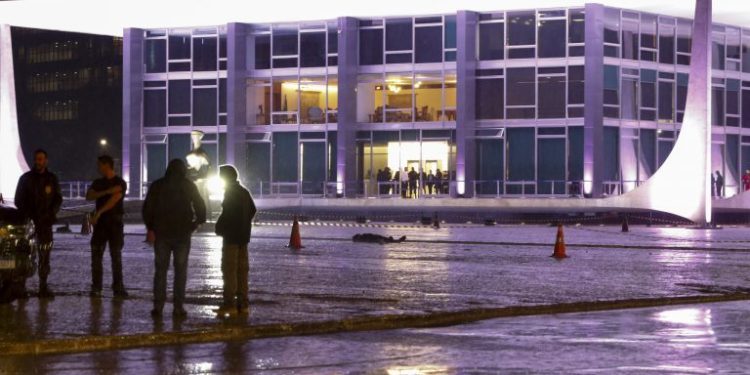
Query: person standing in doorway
[234,225]
[404,177]
[719,184]
[438,181]
[108,192]
[413,177]
[39,199]
[430,181]
[173,210]
[746,180]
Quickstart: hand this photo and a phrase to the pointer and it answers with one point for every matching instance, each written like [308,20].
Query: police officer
[38,198]
[108,192]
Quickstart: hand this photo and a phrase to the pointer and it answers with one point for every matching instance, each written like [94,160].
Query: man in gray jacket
[173,210]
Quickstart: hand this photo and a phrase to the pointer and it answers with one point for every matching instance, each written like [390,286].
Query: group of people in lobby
[410,183]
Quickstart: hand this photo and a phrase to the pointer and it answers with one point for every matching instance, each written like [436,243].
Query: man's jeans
[163,249]
[107,231]
[234,269]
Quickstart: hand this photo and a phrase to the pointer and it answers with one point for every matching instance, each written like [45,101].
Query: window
[717,54]
[370,98]
[630,40]
[666,101]
[575,84]
[154,108]
[398,35]
[285,101]
[491,41]
[551,102]
[521,156]
[746,109]
[576,26]
[371,46]
[428,44]
[285,41]
[312,49]
[612,26]
[717,106]
[262,52]
[179,96]
[179,46]
[490,99]
[521,86]
[285,49]
[611,91]
[428,94]
[204,107]
[450,32]
[222,96]
[648,95]
[666,45]
[156,56]
[629,105]
[204,54]
[746,53]
[551,38]
[521,28]
[258,102]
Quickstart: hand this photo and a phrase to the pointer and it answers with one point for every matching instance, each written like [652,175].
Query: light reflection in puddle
[416,370]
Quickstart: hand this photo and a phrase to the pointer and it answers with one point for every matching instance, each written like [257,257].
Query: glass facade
[401,106]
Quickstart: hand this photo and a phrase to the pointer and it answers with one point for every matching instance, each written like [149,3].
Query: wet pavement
[333,278]
[697,339]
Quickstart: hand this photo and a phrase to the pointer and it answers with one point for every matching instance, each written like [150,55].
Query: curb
[355,324]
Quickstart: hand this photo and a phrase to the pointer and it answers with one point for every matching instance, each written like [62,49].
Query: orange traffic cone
[295,241]
[86,225]
[559,244]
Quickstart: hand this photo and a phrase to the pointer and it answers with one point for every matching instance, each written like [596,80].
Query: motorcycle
[17,255]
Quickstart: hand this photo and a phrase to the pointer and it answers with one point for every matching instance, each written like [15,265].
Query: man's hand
[95,217]
[113,190]
[151,237]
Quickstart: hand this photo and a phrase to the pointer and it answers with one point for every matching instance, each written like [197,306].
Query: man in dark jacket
[173,210]
[108,192]
[38,198]
[234,225]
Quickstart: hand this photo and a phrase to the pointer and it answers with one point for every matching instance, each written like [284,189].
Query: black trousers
[107,231]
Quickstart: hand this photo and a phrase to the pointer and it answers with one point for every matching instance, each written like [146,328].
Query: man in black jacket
[108,192]
[38,197]
[234,225]
[173,210]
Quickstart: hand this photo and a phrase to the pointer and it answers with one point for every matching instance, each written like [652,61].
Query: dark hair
[40,151]
[228,172]
[176,169]
[106,159]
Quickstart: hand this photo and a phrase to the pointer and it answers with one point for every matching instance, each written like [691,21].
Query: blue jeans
[163,249]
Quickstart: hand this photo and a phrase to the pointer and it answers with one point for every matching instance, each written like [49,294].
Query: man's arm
[198,205]
[149,210]
[111,203]
[93,194]
[253,209]
[57,198]
[20,199]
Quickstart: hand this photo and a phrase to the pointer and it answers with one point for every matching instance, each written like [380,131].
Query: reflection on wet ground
[697,339]
[330,280]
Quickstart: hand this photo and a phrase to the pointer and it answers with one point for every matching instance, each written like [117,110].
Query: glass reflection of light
[688,325]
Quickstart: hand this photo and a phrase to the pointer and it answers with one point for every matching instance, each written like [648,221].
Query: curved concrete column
[12,162]
[682,185]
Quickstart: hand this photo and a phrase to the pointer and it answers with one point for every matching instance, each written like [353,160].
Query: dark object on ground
[17,262]
[376,238]
[64,229]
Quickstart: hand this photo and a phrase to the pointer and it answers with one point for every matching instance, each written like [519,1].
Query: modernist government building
[547,102]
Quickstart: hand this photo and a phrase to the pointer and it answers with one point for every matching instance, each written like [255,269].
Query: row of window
[181,52]
[63,81]
[290,47]
[647,37]
[649,95]
[56,111]
[200,102]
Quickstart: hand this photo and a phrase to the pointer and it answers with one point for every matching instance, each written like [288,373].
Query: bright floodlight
[103,142]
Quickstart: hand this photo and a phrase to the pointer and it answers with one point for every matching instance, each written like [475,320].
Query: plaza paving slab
[697,339]
[333,278]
